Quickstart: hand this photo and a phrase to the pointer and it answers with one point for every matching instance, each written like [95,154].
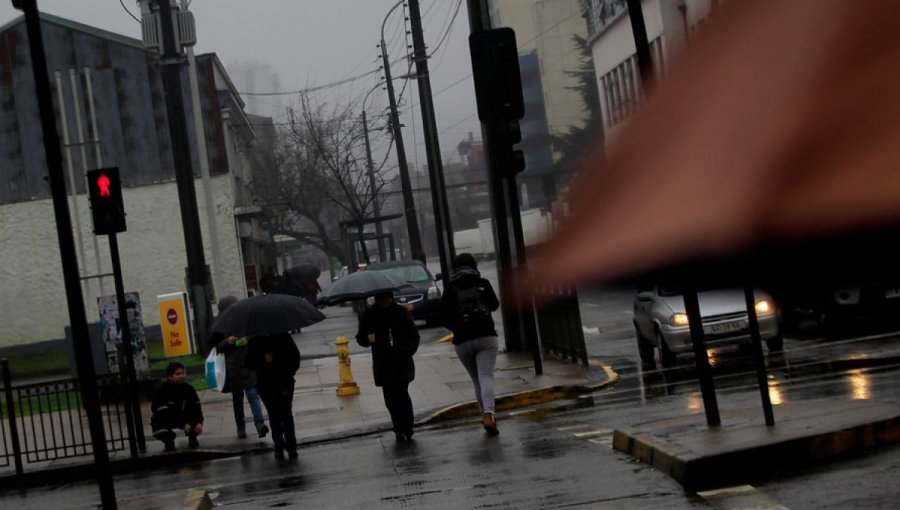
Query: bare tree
[321,177]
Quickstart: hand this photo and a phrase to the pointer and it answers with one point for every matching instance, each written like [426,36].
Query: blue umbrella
[360,285]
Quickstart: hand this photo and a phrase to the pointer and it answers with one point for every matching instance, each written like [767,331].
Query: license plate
[892,293]
[725,327]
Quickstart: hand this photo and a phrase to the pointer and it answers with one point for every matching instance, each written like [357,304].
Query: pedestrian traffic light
[498,95]
[495,72]
[107,208]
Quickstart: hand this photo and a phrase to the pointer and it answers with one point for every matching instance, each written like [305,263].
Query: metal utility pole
[172,62]
[446,250]
[409,205]
[74,297]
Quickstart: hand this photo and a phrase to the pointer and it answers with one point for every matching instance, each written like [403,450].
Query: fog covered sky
[317,42]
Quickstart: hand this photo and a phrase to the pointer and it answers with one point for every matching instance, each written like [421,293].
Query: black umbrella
[265,315]
[303,273]
[360,285]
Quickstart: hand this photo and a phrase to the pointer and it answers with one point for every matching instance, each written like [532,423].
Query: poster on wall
[111,334]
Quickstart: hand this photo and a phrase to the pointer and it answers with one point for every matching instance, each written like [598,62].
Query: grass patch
[45,403]
[44,362]
[158,361]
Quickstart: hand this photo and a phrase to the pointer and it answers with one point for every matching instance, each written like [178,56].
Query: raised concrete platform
[742,447]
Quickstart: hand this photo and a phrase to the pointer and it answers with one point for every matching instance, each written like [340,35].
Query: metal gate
[45,421]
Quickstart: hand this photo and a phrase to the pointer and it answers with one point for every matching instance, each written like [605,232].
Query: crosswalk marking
[590,433]
[740,497]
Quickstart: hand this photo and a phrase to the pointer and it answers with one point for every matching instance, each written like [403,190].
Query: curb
[701,471]
[525,398]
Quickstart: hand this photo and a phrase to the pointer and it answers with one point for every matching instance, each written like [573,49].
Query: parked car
[842,308]
[423,298]
[660,321]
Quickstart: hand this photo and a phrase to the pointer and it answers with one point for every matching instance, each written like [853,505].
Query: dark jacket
[174,406]
[396,340]
[275,376]
[474,327]
[237,376]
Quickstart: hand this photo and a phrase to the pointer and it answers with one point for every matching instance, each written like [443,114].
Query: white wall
[33,304]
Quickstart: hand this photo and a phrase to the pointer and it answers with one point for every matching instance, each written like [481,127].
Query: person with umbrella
[389,330]
[238,378]
[276,359]
[272,353]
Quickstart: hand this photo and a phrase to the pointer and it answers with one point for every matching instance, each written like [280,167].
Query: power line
[122,3]
[311,89]
[449,28]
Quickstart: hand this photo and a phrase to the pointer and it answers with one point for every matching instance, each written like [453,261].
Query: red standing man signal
[108,211]
[103,184]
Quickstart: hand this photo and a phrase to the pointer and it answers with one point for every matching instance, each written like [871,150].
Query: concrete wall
[33,304]
[557,21]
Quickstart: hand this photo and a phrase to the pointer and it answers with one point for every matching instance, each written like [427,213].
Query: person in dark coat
[390,331]
[176,406]
[466,307]
[276,359]
[239,380]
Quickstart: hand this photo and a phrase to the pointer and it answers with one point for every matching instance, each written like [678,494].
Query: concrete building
[111,112]
[669,26]
[252,78]
[547,56]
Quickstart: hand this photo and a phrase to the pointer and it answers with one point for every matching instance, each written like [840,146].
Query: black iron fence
[559,324]
[45,421]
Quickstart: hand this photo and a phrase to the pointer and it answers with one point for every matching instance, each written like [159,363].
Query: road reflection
[860,384]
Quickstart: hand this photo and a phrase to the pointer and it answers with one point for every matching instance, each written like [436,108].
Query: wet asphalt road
[558,455]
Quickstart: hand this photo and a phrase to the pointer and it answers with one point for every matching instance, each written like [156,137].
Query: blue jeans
[237,400]
[479,357]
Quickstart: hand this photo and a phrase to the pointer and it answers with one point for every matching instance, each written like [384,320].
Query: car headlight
[678,319]
[433,293]
[370,301]
[764,306]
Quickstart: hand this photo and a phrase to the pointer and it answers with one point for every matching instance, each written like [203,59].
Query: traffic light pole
[136,440]
[74,298]
[172,63]
[500,106]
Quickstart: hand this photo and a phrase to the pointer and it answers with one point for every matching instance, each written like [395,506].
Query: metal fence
[46,421]
[559,324]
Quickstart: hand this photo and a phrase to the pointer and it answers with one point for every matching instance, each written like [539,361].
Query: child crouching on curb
[176,406]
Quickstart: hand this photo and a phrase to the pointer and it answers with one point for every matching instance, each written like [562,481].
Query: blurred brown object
[779,126]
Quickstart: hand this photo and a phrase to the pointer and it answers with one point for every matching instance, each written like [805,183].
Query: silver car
[660,321]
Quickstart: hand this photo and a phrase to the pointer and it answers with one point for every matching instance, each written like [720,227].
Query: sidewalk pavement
[441,391]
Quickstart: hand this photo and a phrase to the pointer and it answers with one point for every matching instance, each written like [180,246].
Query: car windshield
[670,291]
[410,274]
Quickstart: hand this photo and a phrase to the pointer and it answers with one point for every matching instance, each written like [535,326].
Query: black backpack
[472,308]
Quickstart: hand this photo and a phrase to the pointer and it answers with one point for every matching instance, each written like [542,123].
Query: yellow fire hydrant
[346,386]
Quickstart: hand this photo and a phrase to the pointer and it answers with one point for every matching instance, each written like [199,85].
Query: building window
[621,86]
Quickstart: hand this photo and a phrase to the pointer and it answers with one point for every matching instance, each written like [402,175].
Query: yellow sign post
[175,322]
